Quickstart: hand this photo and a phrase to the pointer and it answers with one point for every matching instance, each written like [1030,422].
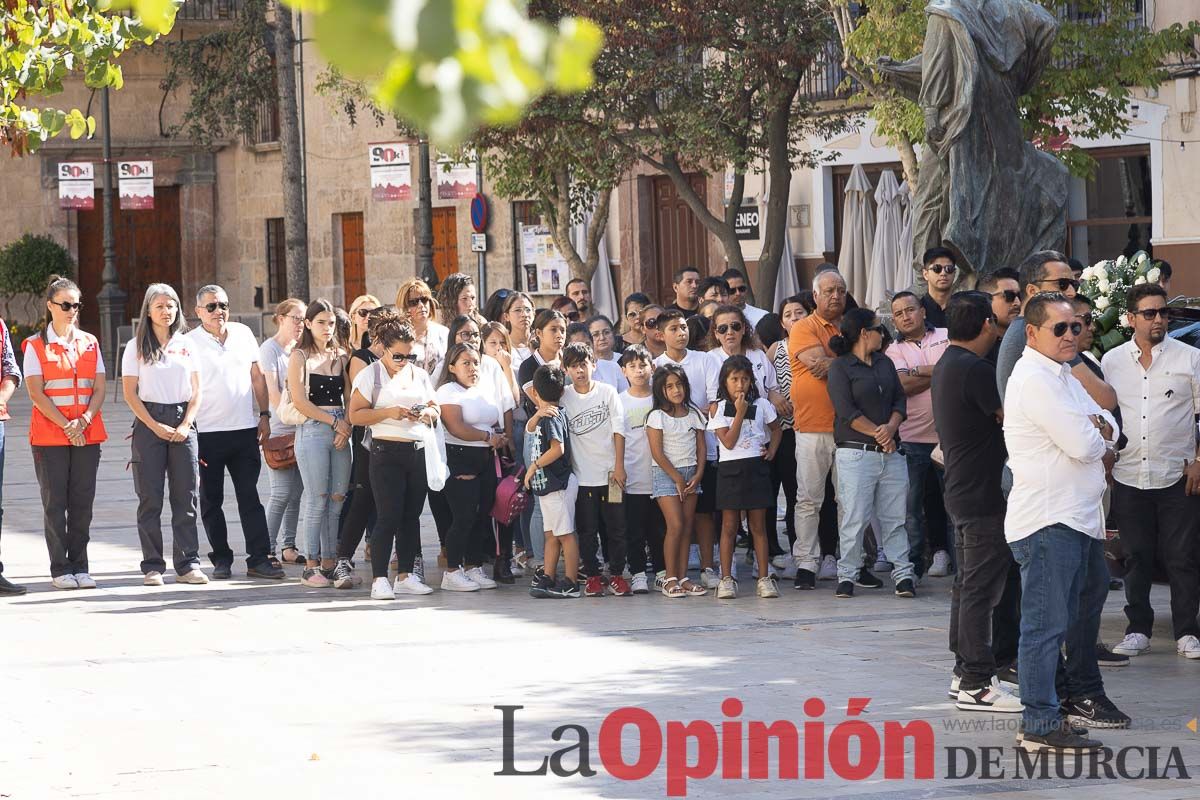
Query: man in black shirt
[967,413]
[939,269]
[686,283]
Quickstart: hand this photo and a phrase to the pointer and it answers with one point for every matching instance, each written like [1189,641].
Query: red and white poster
[135,185]
[391,171]
[77,185]
[456,181]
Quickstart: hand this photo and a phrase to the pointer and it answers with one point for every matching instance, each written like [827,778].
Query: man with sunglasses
[1004,288]
[1156,483]
[1047,271]
[739,290]
[939,269]
[233,421]
[1060,443]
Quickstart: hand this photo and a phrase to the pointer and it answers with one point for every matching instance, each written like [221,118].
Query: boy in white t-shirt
[644,524]
[596,423]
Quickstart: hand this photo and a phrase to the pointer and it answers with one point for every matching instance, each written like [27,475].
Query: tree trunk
[558,205]
[779,169]
[908,158]
[295,216]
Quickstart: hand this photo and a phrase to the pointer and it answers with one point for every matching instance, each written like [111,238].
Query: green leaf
[53,120]
[356,37]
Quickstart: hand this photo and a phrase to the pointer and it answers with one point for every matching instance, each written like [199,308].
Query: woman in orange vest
[64,373]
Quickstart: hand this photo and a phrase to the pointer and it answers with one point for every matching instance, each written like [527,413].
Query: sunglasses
[363,313]
[1087,319]
[1009,295]
[736,327]
[212,307]
[573,316]
[938,269]
[413,302]
[1060,328]
[1061,283]
[409,357]
[633,314]
[651,323]
[1150,313]
[69,306]
[738,289]
[469,335]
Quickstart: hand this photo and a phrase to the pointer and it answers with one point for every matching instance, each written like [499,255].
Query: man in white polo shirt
[233,420]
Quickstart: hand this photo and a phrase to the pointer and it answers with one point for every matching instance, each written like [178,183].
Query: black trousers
[470,492]
[783,473]
[236,451]
[1160,524]
[67,477]
[399,485]
[827,530]
[645,530]
[590,507]
[985,575]
[359,513]
[439,507]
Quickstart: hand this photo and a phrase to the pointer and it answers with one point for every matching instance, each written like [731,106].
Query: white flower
[1102,283]
[1101,303]
[1141,279]
[1142,258]
[1121,262]
[1153,275]
[1087,274]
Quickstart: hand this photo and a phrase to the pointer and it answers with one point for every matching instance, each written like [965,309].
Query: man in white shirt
[1059,444]
[1157,480]
[739,290]
[233,420]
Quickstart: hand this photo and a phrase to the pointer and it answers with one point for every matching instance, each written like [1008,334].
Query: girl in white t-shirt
[675,433]
[161,384]
[471,414]
[747,436]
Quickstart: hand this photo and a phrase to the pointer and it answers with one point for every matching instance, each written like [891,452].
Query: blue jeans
[870,485]
[1064,582]
[326,473]
[283,507]
[920,467]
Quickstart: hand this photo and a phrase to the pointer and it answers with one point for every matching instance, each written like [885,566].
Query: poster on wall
[546,271]
[77,185]
[391,171]
[135,185]
[456,181]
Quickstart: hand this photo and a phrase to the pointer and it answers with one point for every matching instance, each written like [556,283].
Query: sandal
[296,557]
[273,561]
[671,588]
[695,590]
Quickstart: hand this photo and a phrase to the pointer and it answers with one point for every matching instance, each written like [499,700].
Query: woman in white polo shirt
[161,384]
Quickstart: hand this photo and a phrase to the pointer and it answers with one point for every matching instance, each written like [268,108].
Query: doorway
[445,242]
[354,269]
[679,238]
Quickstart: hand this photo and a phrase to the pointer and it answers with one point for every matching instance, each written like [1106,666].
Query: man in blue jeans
[10,379]
[1060,443]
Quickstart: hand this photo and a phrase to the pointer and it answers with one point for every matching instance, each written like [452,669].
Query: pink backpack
[511,497]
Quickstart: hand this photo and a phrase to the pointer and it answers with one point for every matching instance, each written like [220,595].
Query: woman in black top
[872,476]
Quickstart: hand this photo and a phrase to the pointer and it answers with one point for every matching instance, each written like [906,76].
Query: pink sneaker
[314,579]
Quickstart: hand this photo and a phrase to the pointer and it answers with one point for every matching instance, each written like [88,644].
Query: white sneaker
[64,582]
[709,578]
[694,557]
[381,589]
[955,682]
[828,570]
[419,568]
[411,585]
[639,584]
[152,578]
[659,578]
[726,588]
[1134,644]
[991,698]
[517,570]
[476,574]
[767,587]
[940,567]
[457,581]
[195,577]
[85,581]
[1188,647]
[781,562]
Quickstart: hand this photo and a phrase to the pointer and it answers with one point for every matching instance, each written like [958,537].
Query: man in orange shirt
[810,356]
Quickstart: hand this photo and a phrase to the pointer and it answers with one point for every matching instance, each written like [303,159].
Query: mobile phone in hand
[731,410]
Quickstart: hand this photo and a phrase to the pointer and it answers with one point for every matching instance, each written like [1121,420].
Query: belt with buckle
[871,448]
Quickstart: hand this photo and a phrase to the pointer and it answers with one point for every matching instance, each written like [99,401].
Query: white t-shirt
[679,435]
[610,372]
[479,408]
[754,436]
[226,392]
[593,418]
[637,449]
[764,371]
[408,387]
[273,361]
[168,380]
[432,349]
[31,366]
[702,373]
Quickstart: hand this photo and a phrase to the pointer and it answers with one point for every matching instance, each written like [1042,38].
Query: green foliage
[450,66]
[46,41]
[27,264]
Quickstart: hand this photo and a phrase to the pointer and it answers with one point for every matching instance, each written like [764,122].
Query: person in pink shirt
[918,347]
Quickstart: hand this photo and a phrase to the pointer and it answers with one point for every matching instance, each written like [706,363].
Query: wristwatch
[264,413]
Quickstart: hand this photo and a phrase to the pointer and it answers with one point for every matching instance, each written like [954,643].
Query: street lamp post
[424,214]
[111,299]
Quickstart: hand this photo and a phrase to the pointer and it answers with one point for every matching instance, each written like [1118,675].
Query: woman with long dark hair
[161,384]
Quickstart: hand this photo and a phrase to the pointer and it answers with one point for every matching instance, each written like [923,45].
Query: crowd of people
[979,438]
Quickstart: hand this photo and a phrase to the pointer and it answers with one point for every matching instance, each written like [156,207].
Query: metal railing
[825,75]
[210,9]
[267,128]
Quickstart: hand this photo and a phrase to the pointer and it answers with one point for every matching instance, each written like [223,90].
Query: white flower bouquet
[1106,284]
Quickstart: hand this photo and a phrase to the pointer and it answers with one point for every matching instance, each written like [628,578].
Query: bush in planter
[27,264]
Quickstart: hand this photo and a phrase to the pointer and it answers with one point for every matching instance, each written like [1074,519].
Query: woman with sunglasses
[730,334]
[394,398]
[518,318]
[64,375]
[287,487]
[416,306]
[632,331]
[318,389]
[872,476]
[360,310]
[653,335]
[566,306]
[457,297]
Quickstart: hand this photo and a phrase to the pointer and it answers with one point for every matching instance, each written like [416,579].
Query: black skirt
[744,484]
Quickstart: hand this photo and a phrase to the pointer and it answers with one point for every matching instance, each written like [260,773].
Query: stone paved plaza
[247,689]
